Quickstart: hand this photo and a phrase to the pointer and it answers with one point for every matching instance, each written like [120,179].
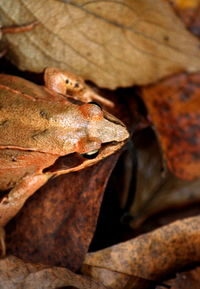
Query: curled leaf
[154,255]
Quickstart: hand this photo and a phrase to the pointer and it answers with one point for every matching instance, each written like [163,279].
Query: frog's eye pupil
[96,103]
[91,155]
[67,81]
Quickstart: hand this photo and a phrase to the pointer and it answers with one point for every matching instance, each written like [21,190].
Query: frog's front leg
[14,201]
[69,84]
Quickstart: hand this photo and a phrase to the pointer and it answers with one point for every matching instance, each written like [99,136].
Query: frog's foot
[2,241]
[69,84]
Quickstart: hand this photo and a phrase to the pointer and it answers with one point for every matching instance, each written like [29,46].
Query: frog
[43,125]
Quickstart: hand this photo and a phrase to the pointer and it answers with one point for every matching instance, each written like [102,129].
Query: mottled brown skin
[40,124]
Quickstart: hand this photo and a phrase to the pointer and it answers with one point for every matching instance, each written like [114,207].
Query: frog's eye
[96,103]
[91,155]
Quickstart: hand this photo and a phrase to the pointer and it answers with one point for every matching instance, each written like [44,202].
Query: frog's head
[99,135]
[103,130]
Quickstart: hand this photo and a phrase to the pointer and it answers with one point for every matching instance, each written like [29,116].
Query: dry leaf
[173,105]
[15,274]
[154,255]
[112,43]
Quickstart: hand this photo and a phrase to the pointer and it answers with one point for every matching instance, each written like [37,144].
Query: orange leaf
[173,105]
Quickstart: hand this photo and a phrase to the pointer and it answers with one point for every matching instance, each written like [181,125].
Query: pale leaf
[112,43]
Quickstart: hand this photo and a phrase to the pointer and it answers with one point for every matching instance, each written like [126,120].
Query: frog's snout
[109,129]
[119,130]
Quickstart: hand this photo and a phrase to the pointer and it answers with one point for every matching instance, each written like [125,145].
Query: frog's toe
[2,241]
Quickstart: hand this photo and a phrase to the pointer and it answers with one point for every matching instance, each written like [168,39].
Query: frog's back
[31,118]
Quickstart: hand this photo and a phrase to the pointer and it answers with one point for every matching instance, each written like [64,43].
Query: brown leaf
[154,255]
[111,43]
[56,225]
[15,274]
[173,105]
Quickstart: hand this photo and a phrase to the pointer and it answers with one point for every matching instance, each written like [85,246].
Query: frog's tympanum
[40,125]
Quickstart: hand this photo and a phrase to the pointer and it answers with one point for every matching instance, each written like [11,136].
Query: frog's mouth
[75,162]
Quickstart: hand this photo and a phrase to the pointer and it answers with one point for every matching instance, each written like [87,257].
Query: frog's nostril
[76,85]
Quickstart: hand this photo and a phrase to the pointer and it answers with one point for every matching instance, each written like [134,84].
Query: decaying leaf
[173,105]
[154,255]
[112,43]
[57,224]
[15,274]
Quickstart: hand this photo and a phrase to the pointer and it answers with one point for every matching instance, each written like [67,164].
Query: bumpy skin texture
[33,119]
[38,125]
